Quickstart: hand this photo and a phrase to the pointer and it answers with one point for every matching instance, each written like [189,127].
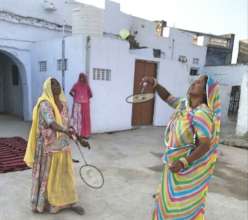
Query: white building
[31,50]
[233,95]
[22,27]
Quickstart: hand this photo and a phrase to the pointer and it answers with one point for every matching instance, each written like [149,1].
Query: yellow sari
[60,184]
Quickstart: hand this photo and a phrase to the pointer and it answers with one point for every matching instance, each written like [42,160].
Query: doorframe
[19,62]
[156,75]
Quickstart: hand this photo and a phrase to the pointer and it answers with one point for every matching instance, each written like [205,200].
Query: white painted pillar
[242,122]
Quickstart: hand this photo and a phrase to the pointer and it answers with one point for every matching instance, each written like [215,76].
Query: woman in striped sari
[191,140]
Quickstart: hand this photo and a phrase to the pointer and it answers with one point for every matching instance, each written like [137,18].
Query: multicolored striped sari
[182,195]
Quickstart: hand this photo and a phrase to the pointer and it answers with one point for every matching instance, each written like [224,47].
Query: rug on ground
[12,152]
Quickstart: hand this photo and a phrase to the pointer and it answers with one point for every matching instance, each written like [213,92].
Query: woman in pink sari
[81,94]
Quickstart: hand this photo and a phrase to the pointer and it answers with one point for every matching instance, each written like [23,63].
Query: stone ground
[131,164]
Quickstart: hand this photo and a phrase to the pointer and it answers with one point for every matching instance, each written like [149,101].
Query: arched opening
[12,78]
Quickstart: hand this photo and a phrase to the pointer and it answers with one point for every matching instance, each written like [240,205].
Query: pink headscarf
[81,91]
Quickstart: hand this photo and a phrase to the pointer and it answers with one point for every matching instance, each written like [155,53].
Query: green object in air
[124,34]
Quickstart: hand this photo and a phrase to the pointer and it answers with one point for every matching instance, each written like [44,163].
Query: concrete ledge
[235,142]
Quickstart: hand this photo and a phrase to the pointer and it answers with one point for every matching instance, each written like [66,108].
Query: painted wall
[19,32]
[114,19]
[174,76]
[18,39]
[51,51]
[34,8]
[183,45]
[109,110]
[242,122]
[228,76]
[88,20]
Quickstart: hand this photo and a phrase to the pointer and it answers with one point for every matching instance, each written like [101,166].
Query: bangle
[155,83]
[184,162]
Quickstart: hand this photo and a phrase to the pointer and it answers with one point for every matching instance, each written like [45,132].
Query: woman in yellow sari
[49,154]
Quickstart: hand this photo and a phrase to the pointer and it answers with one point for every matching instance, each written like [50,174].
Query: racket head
[139,98]
[92,176]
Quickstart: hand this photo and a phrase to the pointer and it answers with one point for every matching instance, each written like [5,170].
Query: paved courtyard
[131,164]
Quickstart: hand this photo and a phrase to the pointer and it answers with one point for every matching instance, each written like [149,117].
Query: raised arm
[162,92]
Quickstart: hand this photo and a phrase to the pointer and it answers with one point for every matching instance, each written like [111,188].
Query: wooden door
[143,112]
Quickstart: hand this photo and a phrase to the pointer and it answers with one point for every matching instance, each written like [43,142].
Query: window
[194,72]
[101,74]
[15,75]
[196,61]
[59,64]
[234,102]
[43,66]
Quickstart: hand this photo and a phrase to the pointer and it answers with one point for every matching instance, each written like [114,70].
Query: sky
[208,16]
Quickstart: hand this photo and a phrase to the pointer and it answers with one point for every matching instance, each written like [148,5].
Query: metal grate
[101,74]
[234,102]
[43,66]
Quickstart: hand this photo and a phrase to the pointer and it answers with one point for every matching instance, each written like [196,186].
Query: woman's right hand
[71,132]
[148,79]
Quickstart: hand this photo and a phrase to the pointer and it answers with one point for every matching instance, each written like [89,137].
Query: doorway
[142,113]
[11,96]
[234,103]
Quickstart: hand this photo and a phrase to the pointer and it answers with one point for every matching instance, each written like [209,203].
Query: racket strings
[92,176]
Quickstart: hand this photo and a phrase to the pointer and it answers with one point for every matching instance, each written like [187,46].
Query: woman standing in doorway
[81,94]
[48,153]
[191,140]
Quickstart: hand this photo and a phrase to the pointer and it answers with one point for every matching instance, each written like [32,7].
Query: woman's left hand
[72,132]
[176,166]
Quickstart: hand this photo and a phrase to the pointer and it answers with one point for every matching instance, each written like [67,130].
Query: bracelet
[184,162]
[155,83]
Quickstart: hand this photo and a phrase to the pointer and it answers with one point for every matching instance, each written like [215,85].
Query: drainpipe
[63,63]
[63,50]
[87,56]
[172,48]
